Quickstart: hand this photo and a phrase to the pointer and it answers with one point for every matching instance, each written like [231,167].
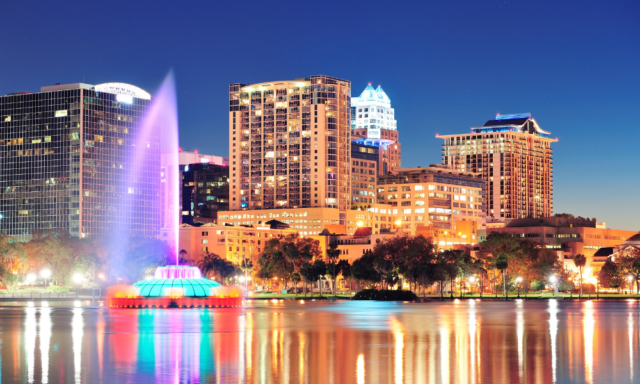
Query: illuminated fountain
[176,287]
[172,286]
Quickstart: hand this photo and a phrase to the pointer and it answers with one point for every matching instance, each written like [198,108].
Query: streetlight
[31,278]
[101,276]
[472,280]
[630,279]
[553,279]
[78,278]
[518,280]
[45,273]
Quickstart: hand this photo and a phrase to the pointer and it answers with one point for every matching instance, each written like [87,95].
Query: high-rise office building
[364,174]
[72,159]
[205,192]
[514,156]
[372,111]
[373,123]
[289,144]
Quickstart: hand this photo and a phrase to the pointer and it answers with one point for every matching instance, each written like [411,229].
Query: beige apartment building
[233,243]
[381,218]
[514,156]
[433,200]
[289,145]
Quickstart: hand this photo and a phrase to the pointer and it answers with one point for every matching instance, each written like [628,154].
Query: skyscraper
[289,144]
[73,158]
[373,123]
[514,156]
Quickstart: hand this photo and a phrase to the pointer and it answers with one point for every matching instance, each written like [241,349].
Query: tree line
[112,258]
[503,263]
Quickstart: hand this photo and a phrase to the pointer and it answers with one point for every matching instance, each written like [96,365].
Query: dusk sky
[447,66]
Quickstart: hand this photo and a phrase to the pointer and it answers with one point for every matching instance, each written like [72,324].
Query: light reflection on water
[323,342]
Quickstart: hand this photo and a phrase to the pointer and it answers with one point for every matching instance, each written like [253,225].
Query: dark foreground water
[324,342]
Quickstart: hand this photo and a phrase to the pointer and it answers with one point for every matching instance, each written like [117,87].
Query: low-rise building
[568,237]
[435,197]
[233,243]
[311,221]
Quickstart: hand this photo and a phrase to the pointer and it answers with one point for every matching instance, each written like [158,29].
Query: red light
[179,149]
[196,151]
[369,83]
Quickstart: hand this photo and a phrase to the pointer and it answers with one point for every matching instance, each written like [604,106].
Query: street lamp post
[518,280]
[554,281]
[472,280]
[46,274]
[630,279]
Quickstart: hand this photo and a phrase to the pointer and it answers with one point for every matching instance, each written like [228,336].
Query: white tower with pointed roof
[372,110]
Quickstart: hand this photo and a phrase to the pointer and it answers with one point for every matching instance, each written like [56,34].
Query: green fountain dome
[175,287]
[176,281]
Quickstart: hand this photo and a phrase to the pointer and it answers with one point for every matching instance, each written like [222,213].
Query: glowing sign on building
[123,89]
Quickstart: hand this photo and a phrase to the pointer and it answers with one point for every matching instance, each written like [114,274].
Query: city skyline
[577,81]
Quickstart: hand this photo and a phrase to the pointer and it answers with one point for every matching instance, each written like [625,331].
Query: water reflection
[344,342]
[553,332]
[76,334]
[589,326]
[45,339]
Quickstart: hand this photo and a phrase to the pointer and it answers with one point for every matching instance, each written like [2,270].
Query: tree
[295,278]
[453,264]
[308,275]
[333,253]
[630,263]
[506,244]
[363,270]
[502,263]
[212,264]
[611,275]
[580,261]
[439,273]
[345,270]
[320,268]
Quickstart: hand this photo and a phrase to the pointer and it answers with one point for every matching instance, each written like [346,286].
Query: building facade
[514,156]
[74,158]
[372,112]
[233,243]
[436,197]
[289,144]
[204,192]
[364,175]
[387,151]
[567,237]
[312,221]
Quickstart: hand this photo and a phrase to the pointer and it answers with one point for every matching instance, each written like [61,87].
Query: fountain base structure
[177,287]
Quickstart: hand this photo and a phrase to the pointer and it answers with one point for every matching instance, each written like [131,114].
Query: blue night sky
[447,66]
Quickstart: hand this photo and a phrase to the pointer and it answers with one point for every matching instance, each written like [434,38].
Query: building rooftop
[520,123]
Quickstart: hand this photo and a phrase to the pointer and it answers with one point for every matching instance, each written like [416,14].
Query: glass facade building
[75,158]
[205,192]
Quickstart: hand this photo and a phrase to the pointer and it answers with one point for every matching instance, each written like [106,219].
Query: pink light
[178,272]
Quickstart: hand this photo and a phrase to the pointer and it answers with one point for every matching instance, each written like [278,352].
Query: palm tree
[502,263]
[580,261]
[333,253]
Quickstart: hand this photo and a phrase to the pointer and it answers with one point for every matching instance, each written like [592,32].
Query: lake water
[324,342]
